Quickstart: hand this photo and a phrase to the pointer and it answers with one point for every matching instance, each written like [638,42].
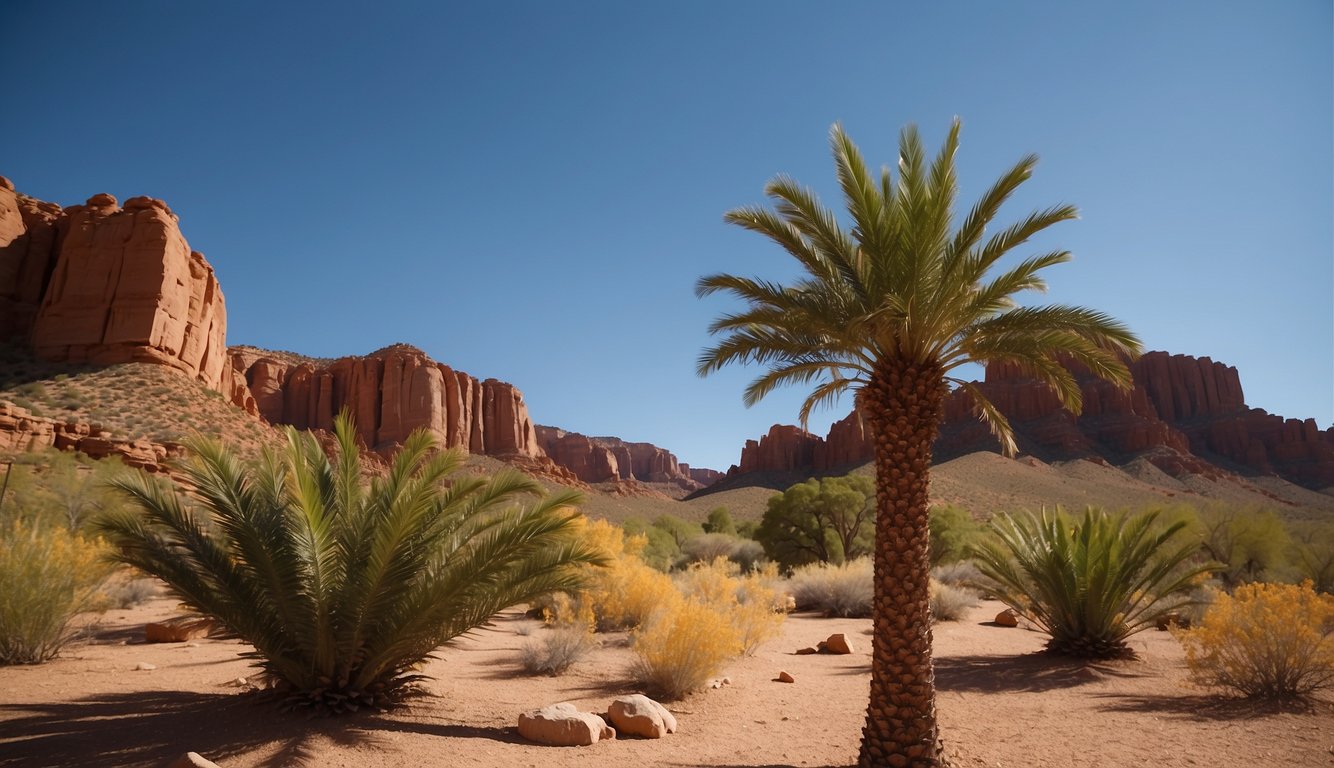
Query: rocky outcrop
[20,430]
[1189,413]
[389,393]
[702,475]
[607,459]
[103,284]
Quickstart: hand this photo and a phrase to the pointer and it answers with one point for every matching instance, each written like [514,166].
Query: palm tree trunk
[903,404]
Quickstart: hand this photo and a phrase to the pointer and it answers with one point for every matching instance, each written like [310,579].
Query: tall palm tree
[344,587]
[888,311]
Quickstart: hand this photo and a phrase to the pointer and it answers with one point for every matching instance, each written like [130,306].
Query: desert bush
[829,521]
[621,594]
[1313,555]
[953,532]
[746,553]
[557,649]
[751,602]
[959,573]
[344,588]
[1249,544]
[1270,641]
[683,646]
[1088,583]
[48,575]
[836,590]
[126,590]
[720,521]
[950,602]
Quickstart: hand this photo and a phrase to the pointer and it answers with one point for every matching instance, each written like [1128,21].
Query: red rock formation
[22,431]
[610,459]
[702,475]
[101,284]
[390,393]
[1186,411]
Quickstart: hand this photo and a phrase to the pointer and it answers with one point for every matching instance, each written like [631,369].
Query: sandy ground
[999,704]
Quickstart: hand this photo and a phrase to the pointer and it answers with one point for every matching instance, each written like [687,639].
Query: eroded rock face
[103,284]
[609,459]
[20,430]
[1187,412]
[390,393]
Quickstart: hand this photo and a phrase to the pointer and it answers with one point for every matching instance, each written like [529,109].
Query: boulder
[563,725]
[639,715]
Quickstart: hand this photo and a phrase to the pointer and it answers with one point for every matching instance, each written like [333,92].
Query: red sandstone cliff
[101,284]
[1192,406]
[389,393]
[603,459]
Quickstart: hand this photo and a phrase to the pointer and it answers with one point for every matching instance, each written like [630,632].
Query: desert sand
[1000,706]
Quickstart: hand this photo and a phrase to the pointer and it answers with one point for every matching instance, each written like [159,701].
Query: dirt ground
[1000,706]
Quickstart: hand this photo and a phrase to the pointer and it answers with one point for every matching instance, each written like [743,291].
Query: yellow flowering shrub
[47,576]
[751,602]
[683,646]
[1265,640]
[622,595]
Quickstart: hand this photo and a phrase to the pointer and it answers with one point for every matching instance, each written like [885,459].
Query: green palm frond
[342,586]
[904,284]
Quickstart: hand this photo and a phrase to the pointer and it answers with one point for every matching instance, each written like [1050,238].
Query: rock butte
[104,284]
[602,459]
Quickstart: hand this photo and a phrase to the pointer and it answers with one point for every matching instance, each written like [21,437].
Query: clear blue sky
[528,191]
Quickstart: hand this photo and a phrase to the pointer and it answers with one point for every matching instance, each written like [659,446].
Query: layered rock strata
[20,430]
[607,459]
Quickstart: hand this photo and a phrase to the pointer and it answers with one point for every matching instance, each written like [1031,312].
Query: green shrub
[1268,641]
[1313,555]
[953,532]
[1091,583]
[1249,544]
[48,575]
[720,521]
[827,521]
[345,588]
[836,590]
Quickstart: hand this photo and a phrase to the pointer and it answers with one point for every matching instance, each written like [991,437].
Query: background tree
[825,521]
[888,310]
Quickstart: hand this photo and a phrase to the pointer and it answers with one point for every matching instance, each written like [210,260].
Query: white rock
[563,725]
[641,716]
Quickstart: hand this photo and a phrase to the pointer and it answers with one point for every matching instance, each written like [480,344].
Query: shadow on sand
[1032,672]
[1205,708]
[155,727]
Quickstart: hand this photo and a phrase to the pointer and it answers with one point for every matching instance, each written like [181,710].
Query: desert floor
[1000,705]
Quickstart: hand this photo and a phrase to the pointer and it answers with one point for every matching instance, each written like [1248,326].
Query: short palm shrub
[48,575]
[681,647]
[345,587]
[1089,583]
[1272,641]
[842,590]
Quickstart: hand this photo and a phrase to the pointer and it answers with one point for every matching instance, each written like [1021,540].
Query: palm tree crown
[889,310]
[905,285]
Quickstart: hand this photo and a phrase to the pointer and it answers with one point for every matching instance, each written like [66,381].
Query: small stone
[144,667]
[838,644]
[784,677]
[806,651]
[1007,618]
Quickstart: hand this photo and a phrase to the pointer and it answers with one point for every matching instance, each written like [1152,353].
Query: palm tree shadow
[152,728]
[1032,672]
[1211,708]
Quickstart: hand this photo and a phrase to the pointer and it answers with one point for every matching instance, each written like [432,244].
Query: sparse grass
[558,649]
[837,590]
[950,602]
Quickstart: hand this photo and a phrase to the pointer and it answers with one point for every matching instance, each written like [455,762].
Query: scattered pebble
[144,666]
[784,677]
